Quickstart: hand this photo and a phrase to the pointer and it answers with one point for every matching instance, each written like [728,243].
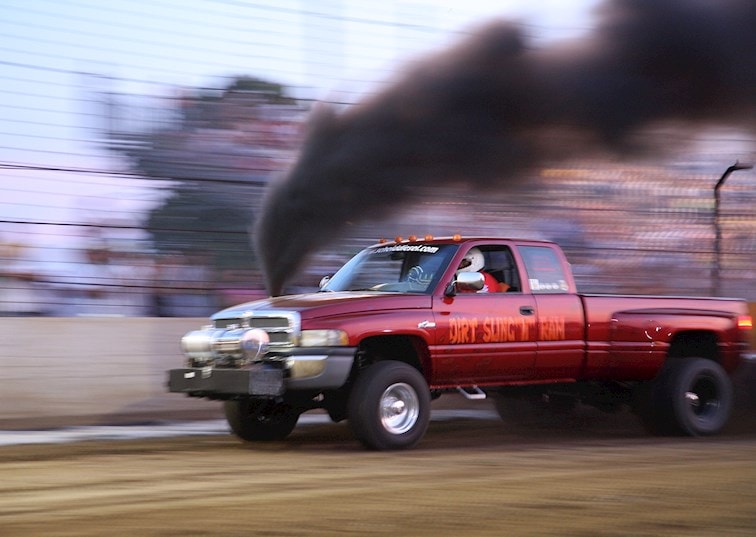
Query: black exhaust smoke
[494,105]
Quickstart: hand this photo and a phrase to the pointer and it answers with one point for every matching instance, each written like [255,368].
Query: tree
[214,151]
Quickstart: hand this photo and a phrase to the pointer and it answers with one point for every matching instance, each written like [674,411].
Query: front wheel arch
[410,349]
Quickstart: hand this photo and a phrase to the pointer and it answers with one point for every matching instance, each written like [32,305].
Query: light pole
[717,228]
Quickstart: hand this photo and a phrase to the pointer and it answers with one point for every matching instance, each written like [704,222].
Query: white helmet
[472,262]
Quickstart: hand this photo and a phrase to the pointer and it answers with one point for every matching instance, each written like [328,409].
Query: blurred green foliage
[214,151]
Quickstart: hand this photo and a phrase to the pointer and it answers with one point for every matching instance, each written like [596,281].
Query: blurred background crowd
[137,141]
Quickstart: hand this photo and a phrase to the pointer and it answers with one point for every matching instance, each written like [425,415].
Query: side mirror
[466,281]
[323,281]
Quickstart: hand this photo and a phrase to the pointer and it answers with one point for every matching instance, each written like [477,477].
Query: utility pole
[715,279]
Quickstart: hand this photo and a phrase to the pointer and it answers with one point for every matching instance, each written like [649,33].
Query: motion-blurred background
[137,140]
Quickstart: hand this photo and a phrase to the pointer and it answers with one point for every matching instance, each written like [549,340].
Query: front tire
[260,420]
[389,406]
[692,396]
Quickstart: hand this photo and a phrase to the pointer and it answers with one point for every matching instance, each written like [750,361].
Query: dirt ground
[591,475]
[594,475]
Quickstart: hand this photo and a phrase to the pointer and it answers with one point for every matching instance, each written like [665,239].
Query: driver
[474,262]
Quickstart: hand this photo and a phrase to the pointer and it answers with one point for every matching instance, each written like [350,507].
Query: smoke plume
[494,105]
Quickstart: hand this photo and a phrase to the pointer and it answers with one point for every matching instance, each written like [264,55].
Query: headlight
[323,338]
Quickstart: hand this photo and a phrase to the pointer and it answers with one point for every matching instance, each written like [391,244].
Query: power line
[173,177]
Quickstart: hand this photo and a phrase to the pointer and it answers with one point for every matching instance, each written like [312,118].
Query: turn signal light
[413,238]
[745,322]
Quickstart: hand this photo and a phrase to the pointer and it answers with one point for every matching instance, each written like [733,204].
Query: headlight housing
[323,338]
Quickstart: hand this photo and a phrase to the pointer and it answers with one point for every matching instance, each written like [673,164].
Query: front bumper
[302,370]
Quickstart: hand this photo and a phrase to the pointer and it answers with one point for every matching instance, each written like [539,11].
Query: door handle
[527,310]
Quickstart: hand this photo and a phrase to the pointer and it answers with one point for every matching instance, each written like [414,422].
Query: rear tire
[260,420]
[389,406]
[692,396]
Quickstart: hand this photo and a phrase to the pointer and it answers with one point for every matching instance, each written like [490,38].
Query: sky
[53,51]
[55,55]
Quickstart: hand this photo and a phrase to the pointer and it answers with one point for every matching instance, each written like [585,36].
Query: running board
[472,393]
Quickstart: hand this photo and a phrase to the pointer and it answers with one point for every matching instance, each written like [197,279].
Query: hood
[328,304]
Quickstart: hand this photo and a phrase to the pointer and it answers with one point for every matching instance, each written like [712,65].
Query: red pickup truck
[404,322]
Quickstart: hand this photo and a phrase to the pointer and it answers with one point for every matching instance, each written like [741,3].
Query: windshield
[403,268]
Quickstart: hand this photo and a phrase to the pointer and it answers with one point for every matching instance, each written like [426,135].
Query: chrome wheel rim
[399,408]
[703,398]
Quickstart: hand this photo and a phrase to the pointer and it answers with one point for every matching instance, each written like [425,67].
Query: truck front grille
[282,327]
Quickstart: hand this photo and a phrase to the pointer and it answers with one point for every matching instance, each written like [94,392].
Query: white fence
[85,371]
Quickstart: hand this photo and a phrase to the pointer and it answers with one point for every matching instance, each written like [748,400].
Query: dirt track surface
[592,475]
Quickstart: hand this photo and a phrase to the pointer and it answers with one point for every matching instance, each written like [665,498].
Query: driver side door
[485,338]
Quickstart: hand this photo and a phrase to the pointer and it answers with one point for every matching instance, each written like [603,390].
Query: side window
[544,268]
[500,264]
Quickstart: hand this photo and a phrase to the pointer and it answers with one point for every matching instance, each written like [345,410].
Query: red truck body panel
[638,332]
[542,332]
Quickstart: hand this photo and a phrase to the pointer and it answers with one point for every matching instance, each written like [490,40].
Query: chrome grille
[265,323]
[282,326]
